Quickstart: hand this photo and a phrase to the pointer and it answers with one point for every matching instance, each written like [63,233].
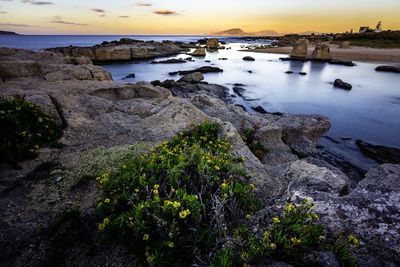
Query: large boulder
[322,52]
[199,52]
[212,43]
[300,49]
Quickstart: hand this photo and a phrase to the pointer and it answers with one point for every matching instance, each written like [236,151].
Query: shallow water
[370,111]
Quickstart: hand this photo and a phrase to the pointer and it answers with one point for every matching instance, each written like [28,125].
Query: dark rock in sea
[342,62]
[208,61]
[156,82]
[260,110]
[239,90]
[380,154]
[293,59]
[195,77]
[346,138]
[167,83]
[223,58]
[130,76]
[333,140]
[341,84]
[394,69]
[206,69]
[247,58]
[234,96]
[303,73]
[250,71]
[238,84]
[169,61]
[289,72]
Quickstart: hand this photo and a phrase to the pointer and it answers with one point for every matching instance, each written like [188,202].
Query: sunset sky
[193,17]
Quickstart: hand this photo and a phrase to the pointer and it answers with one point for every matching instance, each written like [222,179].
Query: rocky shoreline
[106,121]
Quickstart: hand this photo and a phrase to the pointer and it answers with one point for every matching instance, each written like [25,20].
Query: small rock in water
[156,82]
[260,109]
[247,58]
[289,72]
[303,73]
[239,90]
[341,84]
[346,138]
[199,52]
[169,61]
[342,62]
[394,69]
[238,84]
[130,76]
[208,61]
[223,58]
[195,77]
[250,71]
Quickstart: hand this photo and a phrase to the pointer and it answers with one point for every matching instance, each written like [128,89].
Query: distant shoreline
[355,53]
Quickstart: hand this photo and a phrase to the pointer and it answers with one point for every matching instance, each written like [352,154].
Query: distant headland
[8,33]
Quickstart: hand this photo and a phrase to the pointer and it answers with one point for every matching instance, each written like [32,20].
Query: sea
[369,112]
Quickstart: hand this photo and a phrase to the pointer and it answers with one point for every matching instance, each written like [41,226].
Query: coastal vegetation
[24,127]
[385,39]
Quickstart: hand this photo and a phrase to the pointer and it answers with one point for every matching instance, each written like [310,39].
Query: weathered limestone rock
[322,52]
[124,50]
[345,44]
[300,49]
[199,52]
[212,43]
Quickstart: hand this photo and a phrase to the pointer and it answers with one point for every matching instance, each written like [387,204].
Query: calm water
[370,111]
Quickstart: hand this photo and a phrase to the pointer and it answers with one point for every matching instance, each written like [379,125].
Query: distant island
[240,32]
[8,33]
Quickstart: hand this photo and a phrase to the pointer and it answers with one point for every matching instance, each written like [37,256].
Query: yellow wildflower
[145,237]
[272,246]
[289,207]
[276,220]
[184,213]
[353,240]
[107,200]
[252,186]
[295,241]
[103,225]
[314,216]
[155,191]
[217,168]
[156,186]
[137,190]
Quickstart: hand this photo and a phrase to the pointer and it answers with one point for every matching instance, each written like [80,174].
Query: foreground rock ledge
[109,121]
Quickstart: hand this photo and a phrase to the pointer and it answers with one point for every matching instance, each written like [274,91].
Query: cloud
[123,17]
[165,12]
[143,4]
[98,10]
[17,25]
[68,23]
[38,3]
[3,12]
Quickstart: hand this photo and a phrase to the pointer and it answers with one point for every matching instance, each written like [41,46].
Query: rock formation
[123,50]
[109,122]
[394,69]
[322,52]
[341,84]
[199,52]
[212,43]
[300,49]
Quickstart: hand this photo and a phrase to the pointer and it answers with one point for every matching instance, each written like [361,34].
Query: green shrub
[179,204]
[343,250]
[24,127]
[287,238]
[295,232]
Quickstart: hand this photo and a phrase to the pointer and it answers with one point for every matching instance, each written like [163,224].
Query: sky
[193,17]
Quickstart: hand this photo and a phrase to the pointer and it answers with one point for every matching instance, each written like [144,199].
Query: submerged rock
[394,69]
[260,110]
[169,61]
[130,76]
[380,154]
[341,84]
[342,62]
